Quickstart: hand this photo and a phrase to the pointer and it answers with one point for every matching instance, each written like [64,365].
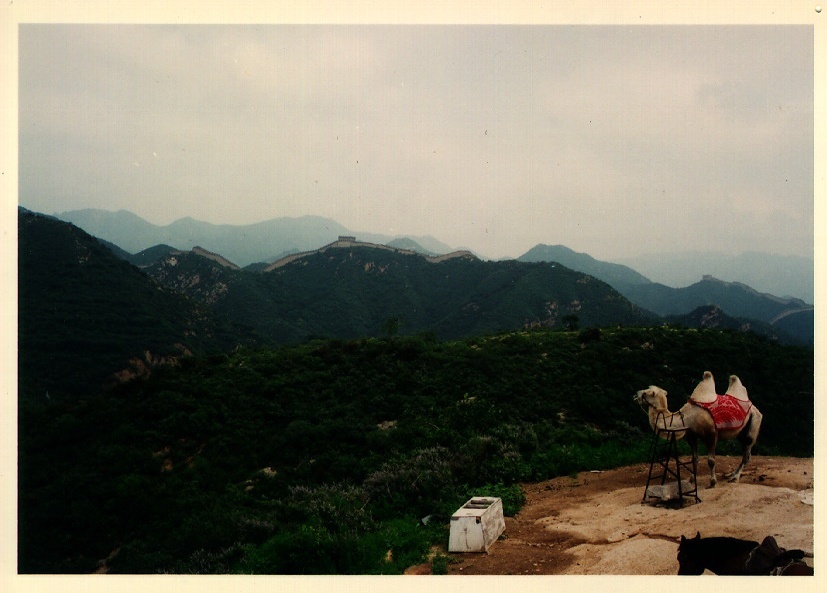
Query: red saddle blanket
[727,411]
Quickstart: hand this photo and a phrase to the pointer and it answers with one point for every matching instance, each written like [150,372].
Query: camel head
[653,396]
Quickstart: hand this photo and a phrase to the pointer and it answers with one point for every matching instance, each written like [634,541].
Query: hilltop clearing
[595,523]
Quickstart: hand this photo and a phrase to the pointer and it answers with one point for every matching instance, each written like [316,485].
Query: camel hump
[705,390]
[736,389]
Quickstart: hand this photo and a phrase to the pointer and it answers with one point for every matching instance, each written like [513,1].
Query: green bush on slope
[339,448]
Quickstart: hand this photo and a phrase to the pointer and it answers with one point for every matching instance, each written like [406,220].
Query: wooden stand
[665,461]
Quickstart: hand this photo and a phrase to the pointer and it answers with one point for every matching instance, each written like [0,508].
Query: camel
[699,423]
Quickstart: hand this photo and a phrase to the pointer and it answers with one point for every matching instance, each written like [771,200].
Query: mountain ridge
[782,275]
[351,289]
[345,242]
[76,296]
[736,298]
[269,240]
[615,274]
[242,244]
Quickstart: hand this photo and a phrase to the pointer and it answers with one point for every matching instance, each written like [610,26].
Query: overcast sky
[612,140]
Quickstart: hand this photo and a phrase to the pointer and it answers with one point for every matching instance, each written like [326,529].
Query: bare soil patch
[596,523]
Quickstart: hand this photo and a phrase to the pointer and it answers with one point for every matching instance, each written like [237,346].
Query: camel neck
[661,418]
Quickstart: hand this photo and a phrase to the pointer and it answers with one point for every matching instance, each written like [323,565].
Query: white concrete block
[667,491]
[476,525]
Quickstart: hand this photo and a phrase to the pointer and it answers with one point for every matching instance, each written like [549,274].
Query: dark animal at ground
[732,556]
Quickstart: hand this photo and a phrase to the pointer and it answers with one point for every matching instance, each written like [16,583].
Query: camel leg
[692,441]
[746,447]
[710,459]
[747,438]
[736,475]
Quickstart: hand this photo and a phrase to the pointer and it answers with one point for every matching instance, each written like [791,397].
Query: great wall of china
[345,242]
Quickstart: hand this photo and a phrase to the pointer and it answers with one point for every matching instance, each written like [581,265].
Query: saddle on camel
[730,410]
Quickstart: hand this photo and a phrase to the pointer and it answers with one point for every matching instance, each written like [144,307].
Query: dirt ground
[597,524]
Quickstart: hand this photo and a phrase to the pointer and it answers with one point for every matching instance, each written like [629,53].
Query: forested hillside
[214,450]
[353,292]
[324,457]
[83,313]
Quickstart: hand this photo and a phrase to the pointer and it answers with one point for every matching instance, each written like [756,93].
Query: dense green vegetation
[351,292]
[324,457]
[83,313]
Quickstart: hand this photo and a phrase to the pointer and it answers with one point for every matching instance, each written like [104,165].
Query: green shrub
[311,549]
[336,507]
[361,439]
[416,483]
[439,564]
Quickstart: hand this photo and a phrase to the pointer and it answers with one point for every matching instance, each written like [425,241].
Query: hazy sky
[612,140]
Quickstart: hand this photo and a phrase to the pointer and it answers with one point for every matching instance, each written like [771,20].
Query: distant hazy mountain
[615,274]
[411,245]
[241,244]
[800,324]
[736,299]
[713,317]
[420,243]
[776,274]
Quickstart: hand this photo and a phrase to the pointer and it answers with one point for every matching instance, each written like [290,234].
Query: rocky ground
[597,524]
